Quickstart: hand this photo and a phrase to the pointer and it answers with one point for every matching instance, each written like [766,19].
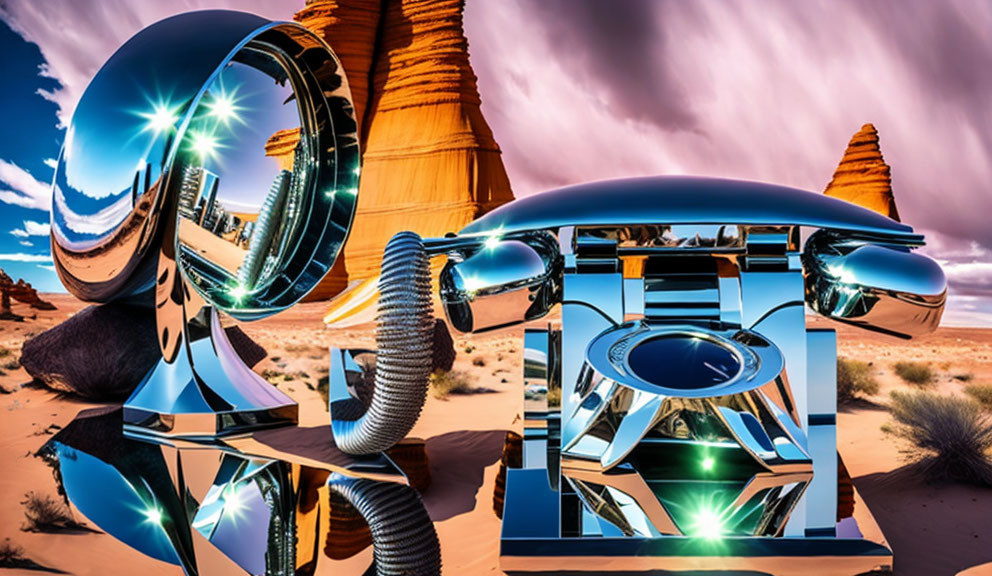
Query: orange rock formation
[22,292]
[863,177]
[430,163]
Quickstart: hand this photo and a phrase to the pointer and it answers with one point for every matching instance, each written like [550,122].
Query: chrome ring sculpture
[164,186]
[681,415]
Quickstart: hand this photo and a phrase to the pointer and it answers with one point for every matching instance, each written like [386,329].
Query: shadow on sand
[458,463]
[931,528]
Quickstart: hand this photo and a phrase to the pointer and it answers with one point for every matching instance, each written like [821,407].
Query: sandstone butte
[863,177]
[430,163]
[22,292]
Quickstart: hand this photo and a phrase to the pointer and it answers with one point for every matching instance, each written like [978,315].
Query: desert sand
[934,530]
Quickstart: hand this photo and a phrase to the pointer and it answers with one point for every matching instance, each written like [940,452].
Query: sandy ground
[933,530]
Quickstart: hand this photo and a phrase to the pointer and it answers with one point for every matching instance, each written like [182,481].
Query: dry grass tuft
[982,393]
[917,373]
[10,554]
[854,380]
[444,383]
[46,514]
[950,437]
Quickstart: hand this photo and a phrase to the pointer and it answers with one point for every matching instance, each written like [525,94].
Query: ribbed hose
[404,338]
[404,541]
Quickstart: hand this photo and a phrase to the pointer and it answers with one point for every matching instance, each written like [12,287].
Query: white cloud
[76,38]
[16,257]
[32,228]
[25,189]
[51,163]
[25,243]
[49,267]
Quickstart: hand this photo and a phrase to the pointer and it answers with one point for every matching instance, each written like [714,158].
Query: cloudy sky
[588,89]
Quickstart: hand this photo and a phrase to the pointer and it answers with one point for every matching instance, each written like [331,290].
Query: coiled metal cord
[404,541]
[404,337]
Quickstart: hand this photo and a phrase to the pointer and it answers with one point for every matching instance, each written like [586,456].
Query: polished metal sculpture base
[539,537]
[173,399]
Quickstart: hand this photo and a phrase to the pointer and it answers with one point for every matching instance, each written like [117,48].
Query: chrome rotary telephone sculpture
[680,415]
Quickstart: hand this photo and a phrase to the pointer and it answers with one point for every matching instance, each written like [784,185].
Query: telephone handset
[859,265]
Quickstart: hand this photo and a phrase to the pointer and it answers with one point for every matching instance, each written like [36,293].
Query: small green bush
[982,393]
[915,372]
[854,380]
[949,437]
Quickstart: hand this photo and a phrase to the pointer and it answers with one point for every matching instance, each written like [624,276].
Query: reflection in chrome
[887,289]
[501,281]
[266,511]
[680,415]
[211,165]
[402,543]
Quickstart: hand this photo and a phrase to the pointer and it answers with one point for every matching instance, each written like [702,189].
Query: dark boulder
[443,357]
[103,352]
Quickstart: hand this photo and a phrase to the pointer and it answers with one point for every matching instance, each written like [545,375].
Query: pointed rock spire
[863,177]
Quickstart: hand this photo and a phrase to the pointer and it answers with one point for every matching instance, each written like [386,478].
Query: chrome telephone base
[626,475]
[547,530]
[174,399]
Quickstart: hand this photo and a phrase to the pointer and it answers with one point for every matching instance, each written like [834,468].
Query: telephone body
[681,409]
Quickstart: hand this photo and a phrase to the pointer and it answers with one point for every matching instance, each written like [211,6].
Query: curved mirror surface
[245,179]
[106,188]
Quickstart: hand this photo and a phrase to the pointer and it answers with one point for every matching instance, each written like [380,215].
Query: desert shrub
[9,552]
[270,374]
[949,437]
[46,514]
[443,383]
[982,393]
[478,361]
[554,397]
[854,379]
[965,377]
[4,352]
[915,372]
[323,388]
[469,349]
